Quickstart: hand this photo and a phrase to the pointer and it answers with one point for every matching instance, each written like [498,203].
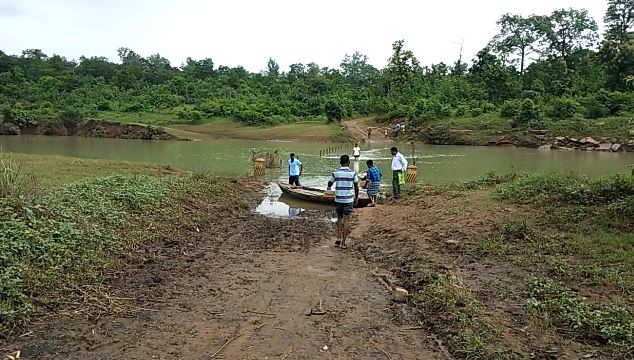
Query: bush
[487,107]
[104,106]
[71,117]
[476,111]
[461,110]
[563,108]
[529,112]
[136,107]
[194,116]
[19,117]
[510,109]
[595,109]
[333,111]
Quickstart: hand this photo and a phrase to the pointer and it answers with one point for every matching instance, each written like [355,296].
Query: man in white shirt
[399,166]
[356,151]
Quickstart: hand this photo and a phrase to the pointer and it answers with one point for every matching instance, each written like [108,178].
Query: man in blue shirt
[295,169]
[346,196]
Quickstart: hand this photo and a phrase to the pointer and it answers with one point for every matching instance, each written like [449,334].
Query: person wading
[295,169]
[399,167]
[356,151]
[373,181]
[346,184]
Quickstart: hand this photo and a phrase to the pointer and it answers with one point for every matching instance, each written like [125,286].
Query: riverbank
[504,267]
[90,128]
[151,128]
[613,134]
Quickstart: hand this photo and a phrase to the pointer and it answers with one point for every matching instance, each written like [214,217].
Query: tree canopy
[547,59]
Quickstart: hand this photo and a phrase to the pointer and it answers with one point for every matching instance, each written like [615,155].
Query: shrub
[19,117]
[510,109]
[487,107]
[71,117]
[476,111]
[136,107]
[194,116]
[529,111]
[563,108]
[461,110]
[595,109]
[333,111]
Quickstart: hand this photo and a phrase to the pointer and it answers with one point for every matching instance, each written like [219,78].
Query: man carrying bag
[399,167]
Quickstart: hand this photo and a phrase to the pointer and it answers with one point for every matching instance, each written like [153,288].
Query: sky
[249,32]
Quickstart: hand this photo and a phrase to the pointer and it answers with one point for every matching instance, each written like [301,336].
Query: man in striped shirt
[346,196]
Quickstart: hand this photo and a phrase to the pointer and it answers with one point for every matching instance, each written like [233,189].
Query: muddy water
[436,164]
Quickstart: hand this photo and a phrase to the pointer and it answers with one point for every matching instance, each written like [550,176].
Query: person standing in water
[295,169]
[356,151]
[346,184]
[399,167]
[374,181]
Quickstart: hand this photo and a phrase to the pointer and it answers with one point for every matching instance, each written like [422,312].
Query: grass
[69,232]
[49,170]
[224,128]
[558,249]
[613,325]
[149,118]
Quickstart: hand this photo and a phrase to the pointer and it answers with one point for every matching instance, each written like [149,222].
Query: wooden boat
[317,195]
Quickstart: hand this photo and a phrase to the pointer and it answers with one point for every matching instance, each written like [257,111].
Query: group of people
[346,185]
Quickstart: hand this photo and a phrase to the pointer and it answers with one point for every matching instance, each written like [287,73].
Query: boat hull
[316,195]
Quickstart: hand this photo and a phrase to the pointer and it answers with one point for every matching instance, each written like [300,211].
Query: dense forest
[537,69]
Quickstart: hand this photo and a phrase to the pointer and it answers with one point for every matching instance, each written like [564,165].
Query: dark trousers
[396,187]
[294,180]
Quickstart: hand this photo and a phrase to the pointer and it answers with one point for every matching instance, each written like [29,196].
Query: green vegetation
[48,170]
[58,237]
[611,324]
[548,254]
[574,80]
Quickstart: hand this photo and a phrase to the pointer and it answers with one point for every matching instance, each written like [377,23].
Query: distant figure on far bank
[369,133]
[346,184]
[295,169]
[373,181]
[356,151]
[386,131]
[399,168]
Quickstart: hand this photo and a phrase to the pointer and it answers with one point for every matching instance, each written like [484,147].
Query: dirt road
[239,288]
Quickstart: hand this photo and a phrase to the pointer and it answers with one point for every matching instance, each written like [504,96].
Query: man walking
[399,167]
[346,196]
[295,169]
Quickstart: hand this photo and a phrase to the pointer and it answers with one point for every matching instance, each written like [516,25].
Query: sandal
[338,242]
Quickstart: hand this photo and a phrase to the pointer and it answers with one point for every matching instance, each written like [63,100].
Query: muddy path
[240,287]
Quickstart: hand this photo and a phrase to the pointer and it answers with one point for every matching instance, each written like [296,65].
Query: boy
[346,196]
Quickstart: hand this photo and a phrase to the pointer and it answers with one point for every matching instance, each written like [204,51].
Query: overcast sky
[249,32]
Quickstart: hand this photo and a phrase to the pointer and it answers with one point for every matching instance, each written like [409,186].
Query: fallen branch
[383,282]
[287,354]
[260,313]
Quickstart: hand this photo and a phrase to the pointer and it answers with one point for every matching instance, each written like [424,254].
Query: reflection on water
[276,204]
[436,163]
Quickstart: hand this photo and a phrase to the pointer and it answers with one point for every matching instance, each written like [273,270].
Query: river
[436,163]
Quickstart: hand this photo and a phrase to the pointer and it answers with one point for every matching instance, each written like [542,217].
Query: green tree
[518,37]
[566,31]
[333,110]
[402,64]
[617,50]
